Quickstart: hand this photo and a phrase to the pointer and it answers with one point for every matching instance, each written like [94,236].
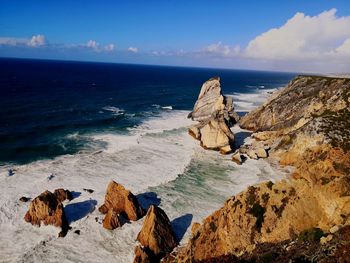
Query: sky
[284,35]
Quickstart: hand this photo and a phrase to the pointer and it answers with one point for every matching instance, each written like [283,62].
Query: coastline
[194,172]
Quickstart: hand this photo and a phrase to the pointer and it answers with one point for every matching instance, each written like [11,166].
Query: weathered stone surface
[63,195]
[112,220]
[47,209]
[252,154]
[122,202]
[236,157]
[157,234]
[215,114]
[216,135]
[261,153]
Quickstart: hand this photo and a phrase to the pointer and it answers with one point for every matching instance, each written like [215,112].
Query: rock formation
[47,209]
[120,201]
[306,125]
[112,220]
[215,113]
[63,195]
[156,236]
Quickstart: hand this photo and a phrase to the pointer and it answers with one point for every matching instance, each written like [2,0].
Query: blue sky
[190,33]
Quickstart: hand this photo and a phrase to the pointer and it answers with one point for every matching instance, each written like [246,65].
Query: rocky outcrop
[63,195]
[112,220]
[119,200]
[156,236]
[47,209]
[305,125]
[215,113]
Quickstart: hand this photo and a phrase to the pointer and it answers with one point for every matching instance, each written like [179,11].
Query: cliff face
[306,125]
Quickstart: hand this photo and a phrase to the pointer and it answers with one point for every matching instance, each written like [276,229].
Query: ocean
[79,125]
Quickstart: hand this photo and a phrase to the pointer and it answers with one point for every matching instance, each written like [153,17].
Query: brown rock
[47,209]
[261,153]
[63,195]
[142,255]
[195,228]
[236,157]
[122,201]
[252,155]
[156,233]
[112,220]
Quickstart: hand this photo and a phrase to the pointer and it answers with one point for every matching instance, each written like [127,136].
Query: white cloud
[38,40]
[133,49]
[344,48]
[303,37]
[34,41]
[93,45]
[221,50]
[109,47]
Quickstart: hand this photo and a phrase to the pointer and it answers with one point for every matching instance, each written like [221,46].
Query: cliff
[305,125]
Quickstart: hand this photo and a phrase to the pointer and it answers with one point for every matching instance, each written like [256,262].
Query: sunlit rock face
[215,113]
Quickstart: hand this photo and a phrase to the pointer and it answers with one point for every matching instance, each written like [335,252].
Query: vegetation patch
[311,235]
[258,211]
[269,184]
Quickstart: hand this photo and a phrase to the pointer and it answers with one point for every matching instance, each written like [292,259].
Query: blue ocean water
[44,102]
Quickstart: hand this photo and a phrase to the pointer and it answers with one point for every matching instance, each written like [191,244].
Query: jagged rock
[226,149]
[195,132]
[236,157]
[215,113]
[252,155]
[142,255]
[261,153]
[24,199]
[63,195]
[216,135]
[112,220]
[47,209]
[157,234]
[122,201]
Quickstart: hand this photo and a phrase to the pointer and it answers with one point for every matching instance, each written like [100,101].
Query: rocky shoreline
[305,125]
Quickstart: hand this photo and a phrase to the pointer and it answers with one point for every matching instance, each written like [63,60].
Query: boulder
[261,153]
[216,135]
[252,155]
[63,195]
[112,220]
[157,234]
[122,201]
[236,157]
[47,209]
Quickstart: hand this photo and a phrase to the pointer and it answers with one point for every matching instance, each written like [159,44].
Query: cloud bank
[319,43]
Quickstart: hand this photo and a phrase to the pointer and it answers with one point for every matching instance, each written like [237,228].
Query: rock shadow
[239,138]
[147,199]
[75,194]
[77,211]
[181,224]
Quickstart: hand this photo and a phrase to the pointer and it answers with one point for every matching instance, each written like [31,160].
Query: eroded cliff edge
[306,125]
